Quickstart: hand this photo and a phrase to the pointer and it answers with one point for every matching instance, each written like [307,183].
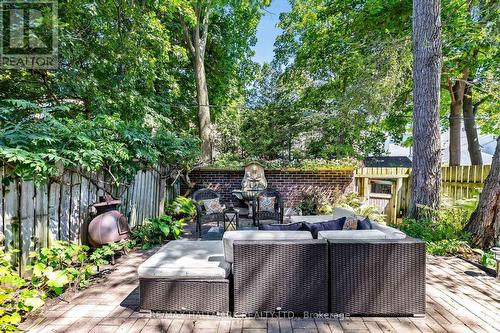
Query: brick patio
[460,298]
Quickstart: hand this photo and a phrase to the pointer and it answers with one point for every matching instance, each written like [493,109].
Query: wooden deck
[460,298]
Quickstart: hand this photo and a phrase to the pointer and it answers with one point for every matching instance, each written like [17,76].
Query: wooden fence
[33,216]
[389,189]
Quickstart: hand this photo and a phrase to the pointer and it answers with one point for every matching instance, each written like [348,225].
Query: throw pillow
[351,223]
[364,224]
[266,204]
[290,226]
[314,228]
[213,206]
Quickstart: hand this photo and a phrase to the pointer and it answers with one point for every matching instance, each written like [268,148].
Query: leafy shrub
[104,254]
[447,223]
[225,161]
[448,247]
[60,265]
[314,203]
[16,296]
[182,208]
[488,260]
[442,229]
[156,230]
[36,140]
[53,270]
[352,201]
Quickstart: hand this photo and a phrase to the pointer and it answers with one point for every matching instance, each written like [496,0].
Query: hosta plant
[155,231]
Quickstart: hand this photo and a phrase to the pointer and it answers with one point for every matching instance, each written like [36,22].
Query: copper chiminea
[109,225]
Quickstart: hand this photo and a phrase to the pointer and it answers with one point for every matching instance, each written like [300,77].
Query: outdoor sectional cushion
[314,228]
[231,236]
[364,224]
[310,218]
[187,260]
[276,226]
[342,212]
[392,233]
[337,214]
[351,234]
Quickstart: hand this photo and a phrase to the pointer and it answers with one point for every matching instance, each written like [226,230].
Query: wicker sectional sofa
[186,276]
[371,272]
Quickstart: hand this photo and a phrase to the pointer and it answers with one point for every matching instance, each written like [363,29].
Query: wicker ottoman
[186,276]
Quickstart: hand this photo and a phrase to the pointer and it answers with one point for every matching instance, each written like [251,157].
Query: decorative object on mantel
[109,225]
[254,181]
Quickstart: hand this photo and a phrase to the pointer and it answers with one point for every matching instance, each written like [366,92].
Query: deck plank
[460,298]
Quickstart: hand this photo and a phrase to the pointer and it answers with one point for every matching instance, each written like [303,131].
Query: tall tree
[195,36]
[484,224]
[470,47]
[427,62]
[469,115]
[457,92]
[218,35]
[346,65]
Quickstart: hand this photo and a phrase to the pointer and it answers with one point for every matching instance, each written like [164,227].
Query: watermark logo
[28,34]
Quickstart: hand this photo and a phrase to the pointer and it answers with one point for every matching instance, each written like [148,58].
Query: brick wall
[291,184]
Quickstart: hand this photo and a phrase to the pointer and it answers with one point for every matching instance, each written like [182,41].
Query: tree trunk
[196,41]
[455,128]
[426,178]
[457,92]
[484,224]
[205,124]
[470,128]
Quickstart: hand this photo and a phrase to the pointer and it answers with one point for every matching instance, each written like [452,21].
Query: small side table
[231,218]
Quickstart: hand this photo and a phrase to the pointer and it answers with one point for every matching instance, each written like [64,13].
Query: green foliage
[442,230]
[155,231]
[60,265]
[16,295]
[53,270]
[347,66]
[314,203]
[488,260]
[446,247]
[102,255]
[353,202]
[232,162]
[37,142]
[182,208]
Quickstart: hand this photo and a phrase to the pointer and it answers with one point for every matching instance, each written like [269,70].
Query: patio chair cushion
[213,206]
[231,236]
[314,228]
[275,226]
[187,260]
[392,233]
[266,204]
[351,234]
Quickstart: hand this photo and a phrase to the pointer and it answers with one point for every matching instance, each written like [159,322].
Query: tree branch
[187,38]
[204,37]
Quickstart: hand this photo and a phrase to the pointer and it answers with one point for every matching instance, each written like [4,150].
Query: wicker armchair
[201,214]
[259,215]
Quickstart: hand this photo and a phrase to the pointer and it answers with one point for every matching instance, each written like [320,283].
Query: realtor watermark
[28,34]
